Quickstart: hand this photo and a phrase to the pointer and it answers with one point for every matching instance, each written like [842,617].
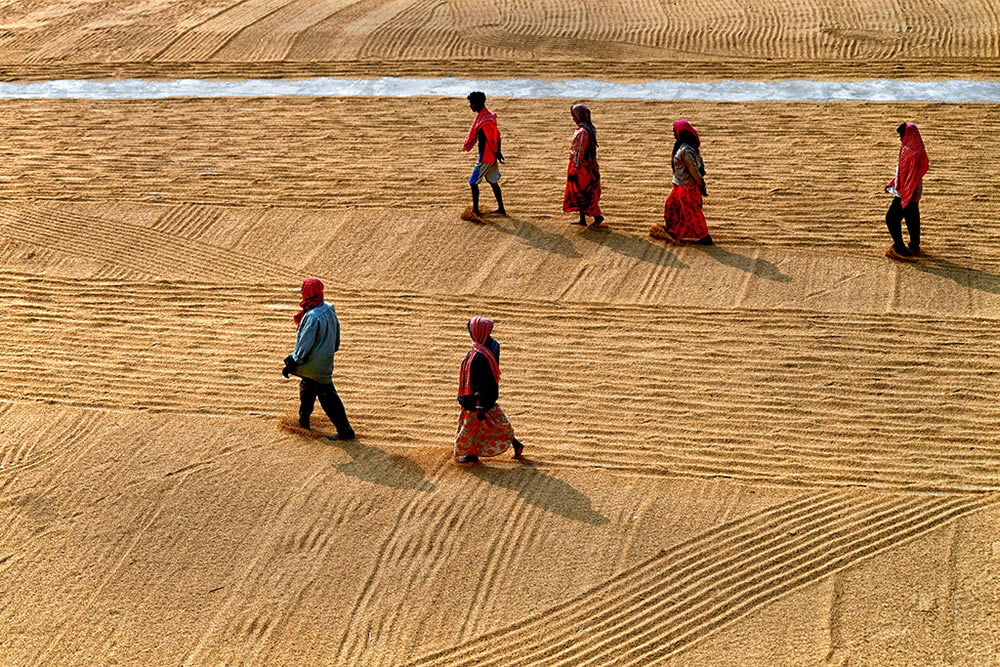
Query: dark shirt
[483,382]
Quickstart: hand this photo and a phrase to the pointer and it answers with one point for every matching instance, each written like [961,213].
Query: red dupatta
[479,329]
[912,165]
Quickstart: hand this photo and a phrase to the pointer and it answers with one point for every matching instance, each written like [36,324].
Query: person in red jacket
[906,187]
[583,177]
[486,135]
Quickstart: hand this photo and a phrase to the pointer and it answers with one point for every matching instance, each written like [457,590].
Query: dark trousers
[895,215]
[328,398]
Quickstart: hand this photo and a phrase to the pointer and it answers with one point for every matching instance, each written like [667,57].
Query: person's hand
[500,157]
[571,178]
[290,366]
[704,190]
[480,414]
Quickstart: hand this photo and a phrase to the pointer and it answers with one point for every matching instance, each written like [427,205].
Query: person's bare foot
[468,459]
[518,449]
[598,223]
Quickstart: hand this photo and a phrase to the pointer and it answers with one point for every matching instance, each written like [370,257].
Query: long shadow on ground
[543,491]
[964,276]
[534,236]
[368,463]
[755,265]
[634,247]
[374,465]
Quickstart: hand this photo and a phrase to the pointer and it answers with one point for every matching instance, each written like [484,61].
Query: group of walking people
[483,428]
[683,218]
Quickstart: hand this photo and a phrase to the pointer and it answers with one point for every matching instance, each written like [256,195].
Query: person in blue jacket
[318,338]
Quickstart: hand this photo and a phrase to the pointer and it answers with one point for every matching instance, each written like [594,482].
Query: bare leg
[496,193]
[475,198]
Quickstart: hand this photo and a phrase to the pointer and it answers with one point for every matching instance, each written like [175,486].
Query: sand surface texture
[778,450]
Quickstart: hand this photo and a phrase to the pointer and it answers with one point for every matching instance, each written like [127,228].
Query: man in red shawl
[317,339]
[486,135]
[906,187]
[483,428]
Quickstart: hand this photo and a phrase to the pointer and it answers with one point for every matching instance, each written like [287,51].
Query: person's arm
[499,153]
[470,140]
[336,342]
[305,340]
[691,162]
[576,150]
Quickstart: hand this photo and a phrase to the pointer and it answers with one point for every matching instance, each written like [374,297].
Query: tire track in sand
[793,398]
[659,608]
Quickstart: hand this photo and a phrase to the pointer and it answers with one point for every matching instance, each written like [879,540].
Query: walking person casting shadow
[583,176]
[906,188]
[483,428]
[316,341]
[484,133]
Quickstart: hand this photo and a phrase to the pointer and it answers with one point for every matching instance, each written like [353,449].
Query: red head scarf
[312,296]
[682,125]
[479,329]
[912,165]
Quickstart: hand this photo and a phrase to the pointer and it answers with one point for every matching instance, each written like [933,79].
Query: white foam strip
[872,90]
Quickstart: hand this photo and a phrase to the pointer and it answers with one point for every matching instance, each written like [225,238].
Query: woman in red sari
[683,219]
[483,428]
[583,178]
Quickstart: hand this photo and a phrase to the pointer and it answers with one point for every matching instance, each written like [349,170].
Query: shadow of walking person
[634,247]
[964,276]
[536,237]
[543,491]
[374,465]
[755,265]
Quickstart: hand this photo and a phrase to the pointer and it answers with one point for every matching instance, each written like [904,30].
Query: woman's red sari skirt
[488,437]
[682,215]
[585,194]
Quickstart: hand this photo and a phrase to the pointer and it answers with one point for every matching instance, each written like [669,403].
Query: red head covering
[312,296]
[912,165]
[479,329]
[681,125]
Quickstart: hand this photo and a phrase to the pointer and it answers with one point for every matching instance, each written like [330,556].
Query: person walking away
[683,219]
[906,187]
[316,341]
[483,428]
[485,134]
[583,176]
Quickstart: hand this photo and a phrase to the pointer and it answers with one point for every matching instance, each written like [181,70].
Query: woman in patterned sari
[683,220]
[583,177]
[483,429]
